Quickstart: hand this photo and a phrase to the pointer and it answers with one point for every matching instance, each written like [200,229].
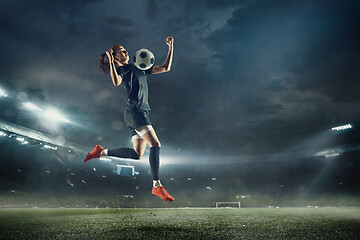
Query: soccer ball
[144,59]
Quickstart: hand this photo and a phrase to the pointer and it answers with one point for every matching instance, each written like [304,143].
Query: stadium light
[50,147]
[343,127]
[32,106]
[56,116]
[51,114]
[22,140]
[331,153]
[3,93]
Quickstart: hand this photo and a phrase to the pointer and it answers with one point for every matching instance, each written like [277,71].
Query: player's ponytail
[103,63]
[103,60]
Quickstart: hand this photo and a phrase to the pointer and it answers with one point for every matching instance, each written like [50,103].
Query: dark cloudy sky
[247,76]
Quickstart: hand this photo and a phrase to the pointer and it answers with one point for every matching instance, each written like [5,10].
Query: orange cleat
[95,153]
[162,193]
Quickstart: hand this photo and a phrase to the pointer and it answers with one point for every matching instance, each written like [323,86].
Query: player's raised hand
[169,41]
[109,54]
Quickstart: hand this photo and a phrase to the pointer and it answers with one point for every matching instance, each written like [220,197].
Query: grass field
[245,223]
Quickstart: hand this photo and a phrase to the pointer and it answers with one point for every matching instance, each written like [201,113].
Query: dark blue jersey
[135,83]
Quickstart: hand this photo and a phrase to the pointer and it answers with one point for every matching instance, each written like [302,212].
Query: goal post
[227,205]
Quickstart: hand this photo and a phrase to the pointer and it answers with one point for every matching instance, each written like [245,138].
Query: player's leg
[148,134]
[151,138]
[132,119]
[125,152]
[139,145]
[95,153]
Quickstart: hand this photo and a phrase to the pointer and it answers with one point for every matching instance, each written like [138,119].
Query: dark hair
[103,60]
[103,63]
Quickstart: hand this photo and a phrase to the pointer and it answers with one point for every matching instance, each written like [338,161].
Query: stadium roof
[36,135]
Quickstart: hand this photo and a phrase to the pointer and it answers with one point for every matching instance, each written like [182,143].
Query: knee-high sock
[154,162]
[123,153]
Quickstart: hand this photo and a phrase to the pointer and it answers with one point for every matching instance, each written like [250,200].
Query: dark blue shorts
[135,118]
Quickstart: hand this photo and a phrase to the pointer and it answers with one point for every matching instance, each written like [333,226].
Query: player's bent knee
[134,154]
[139,154]
[156,144]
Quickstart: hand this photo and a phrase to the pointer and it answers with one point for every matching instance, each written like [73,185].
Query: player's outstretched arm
[113,73]
[167,65]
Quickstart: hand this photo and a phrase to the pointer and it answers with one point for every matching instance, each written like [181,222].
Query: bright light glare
[50,147]
[332,155]
[32,106]
[343,127]
[56,116]
[3,93]
[50,114]
[2,133]
[20,139]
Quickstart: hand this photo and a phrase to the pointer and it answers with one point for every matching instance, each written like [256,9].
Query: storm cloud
[247,76]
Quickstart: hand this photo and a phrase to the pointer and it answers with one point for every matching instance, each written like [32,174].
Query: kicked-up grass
[244,223]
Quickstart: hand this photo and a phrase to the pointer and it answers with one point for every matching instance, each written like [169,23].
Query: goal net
[228,205]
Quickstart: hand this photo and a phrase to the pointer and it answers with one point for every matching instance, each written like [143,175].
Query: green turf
[247,223]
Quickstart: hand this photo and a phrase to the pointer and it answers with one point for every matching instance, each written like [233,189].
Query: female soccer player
[136,113]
